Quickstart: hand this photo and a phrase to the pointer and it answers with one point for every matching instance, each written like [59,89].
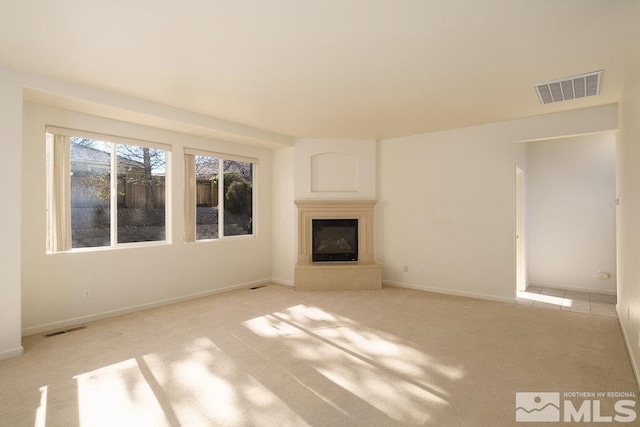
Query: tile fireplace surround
[322,276]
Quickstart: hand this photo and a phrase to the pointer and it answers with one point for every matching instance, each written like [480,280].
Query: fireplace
[336,230]
[334,240]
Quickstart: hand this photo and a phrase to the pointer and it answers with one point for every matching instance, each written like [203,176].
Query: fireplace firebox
[334,240]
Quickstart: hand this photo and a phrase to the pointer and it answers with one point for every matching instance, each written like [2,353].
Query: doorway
[565,223]
[521,247]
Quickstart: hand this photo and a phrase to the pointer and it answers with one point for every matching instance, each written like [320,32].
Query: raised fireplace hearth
[335,245]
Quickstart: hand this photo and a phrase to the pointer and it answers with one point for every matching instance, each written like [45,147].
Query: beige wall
[125,279]
[335,169]
[284,217]
[67,272]
[10,214]
[447,202]
[628,181]
[520,153]
[571,196]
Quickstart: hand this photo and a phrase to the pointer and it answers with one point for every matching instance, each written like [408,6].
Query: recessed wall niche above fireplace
[343,232]
[334,240]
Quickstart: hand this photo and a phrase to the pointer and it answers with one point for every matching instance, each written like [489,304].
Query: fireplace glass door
[334,240]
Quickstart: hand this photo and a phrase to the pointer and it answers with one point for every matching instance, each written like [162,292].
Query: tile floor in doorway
[566,300]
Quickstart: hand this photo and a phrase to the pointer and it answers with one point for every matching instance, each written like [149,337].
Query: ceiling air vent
[569,87]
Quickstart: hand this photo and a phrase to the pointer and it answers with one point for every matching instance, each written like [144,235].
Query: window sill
[119,246]
[225,238]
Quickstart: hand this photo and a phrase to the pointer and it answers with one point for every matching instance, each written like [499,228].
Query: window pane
[238,198]
[206,197]
[90,193]
[141,193]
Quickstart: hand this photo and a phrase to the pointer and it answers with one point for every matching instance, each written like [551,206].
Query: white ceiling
[328,68]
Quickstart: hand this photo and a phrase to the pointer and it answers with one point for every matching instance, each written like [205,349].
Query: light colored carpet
[274,356]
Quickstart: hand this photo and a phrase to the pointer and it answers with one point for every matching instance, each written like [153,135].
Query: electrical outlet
[256,266]
[423,270]
[406,269]
[87,293]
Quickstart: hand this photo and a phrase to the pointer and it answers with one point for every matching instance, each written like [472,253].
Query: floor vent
[258,287]
[568,88]
[66,331]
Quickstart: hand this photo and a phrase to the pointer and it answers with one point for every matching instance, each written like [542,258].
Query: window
[218,203]
[103,191]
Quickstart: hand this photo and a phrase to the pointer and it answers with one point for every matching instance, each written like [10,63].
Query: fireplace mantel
[363,274]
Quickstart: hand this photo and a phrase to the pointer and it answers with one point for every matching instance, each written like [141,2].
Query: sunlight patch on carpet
[402,383]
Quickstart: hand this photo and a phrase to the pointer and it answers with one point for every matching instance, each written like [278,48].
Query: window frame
[64,202]
[190,232]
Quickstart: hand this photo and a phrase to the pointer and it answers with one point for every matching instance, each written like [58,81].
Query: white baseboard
[634,364]
[282,282]
[12,352]
[449,292]
[576,288]
[112,313]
